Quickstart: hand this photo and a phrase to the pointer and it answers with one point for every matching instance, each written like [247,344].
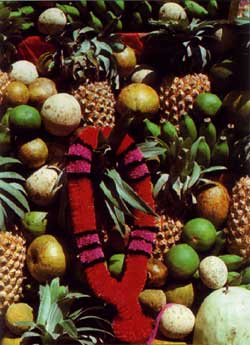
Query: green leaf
[45,304]
[185,185]
[27,10]
[105,62]
[17,210]
[106,191]
[194,148]
[195,175]
[57,292]
[9,160]
[113,216]
[11,175]
[213,168]
[15,193]
[70,328]
[55,316]
[160,183]
[29,334]
[2,217]
[75,315]
[76,295]
[92,329]
[18,186]
[87,317]
[177,187]
[85,46]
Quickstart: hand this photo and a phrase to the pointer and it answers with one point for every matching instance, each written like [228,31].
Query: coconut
[177,321]
[173,12]
[213,272]
[51,21]
[223,318]
[61,114]
[24,71]
[145,74]
[42,186]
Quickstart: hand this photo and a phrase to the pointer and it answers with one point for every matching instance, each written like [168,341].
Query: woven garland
[130,324]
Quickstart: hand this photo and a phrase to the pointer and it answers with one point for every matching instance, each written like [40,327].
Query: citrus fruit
[24,118]
[182,261]
[33,153]
[207,104]
[18,312]
[126,61]
[17,93]
[199,233]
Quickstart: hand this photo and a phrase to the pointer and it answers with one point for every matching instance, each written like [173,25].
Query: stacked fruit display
[176,116]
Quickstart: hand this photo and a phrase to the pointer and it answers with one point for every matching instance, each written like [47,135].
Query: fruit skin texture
[35,222]
[24,118]
[180,294]
[17,93]
[9,339]
[173,12]
[61,114]
[238,228]
[182,261]
[157,273]
[18,312]
[24,71]
[213,272]
[152,300]
[177,321]
[41,89]
[138,99]
[223,318]
[213,204]
[34,153]
[199,233]
[207,104]
[12,260]
[45,258]
[145,74]
[51,21]
[126,61]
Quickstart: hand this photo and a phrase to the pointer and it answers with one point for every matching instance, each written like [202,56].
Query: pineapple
[238,230]
[13,204]
[4,82]
[177,95]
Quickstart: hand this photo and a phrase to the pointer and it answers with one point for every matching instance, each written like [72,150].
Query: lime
[115,264]
[199,233]
[24,118]
[182,261]
[207,104]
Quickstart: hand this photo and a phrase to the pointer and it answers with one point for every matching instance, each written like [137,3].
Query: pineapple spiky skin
[97,102]
[177,95]
[12,259]
[4,82]
[238,225]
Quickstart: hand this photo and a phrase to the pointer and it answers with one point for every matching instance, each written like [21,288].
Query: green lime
[24,118]
[199,233]
[115,264]
[207,104]
[182,261]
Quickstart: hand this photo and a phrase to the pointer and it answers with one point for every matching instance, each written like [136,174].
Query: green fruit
[151,128]
[208,130]
[233,262]
[234,279]
[95,22]
[6,117]
[199,233]
[115,264]
[68,9]
[168,131]
[242,121]
[219,244]
[220,152]
[99,7]
[203,154]
[145,9]
[5,141]
[207,104]
[195,9]
[18,312]
[24,118]
[180,294]
[246,275]
[212,7]
[182,261]
[111,18]
[188,128]
[35,222]
[117,6]
[135,22]
[222,76]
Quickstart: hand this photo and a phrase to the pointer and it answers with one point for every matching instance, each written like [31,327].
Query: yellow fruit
[17,93]
[18,312]
[126,61]
[33,153]
[41,89]
[9,339]
[180,293]
[138,99]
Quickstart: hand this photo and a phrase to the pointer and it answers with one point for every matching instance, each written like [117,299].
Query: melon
[223,318]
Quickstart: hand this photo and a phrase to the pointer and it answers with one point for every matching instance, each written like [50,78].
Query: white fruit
[213,272]
[52,21]
[224,318]
[42,185]
[24,71]
[171,11]
[61,114]
[177,321]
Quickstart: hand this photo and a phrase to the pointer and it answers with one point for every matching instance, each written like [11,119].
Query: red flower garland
[130,324]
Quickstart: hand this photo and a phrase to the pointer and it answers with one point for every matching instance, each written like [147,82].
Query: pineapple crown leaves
[13,199]
[181,170]
[56,322]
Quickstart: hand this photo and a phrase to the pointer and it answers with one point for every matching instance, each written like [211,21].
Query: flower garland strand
[130,324]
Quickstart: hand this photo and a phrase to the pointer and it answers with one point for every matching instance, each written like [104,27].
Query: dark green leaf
[9,160]
[213,168]
[113,215]
[195,175]
[69,328]
[15,193]
[160,184]
[17,210]
[2,217]
[177,187]
[11,175]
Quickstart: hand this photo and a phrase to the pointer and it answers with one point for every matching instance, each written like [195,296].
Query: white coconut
[223,318]
[61,114]
[213,272]
[171,11]
[177,321]
[42,185]
[24,71]
[51,21]
[144,74]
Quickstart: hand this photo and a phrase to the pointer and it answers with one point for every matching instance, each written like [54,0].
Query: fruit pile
[124,173]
